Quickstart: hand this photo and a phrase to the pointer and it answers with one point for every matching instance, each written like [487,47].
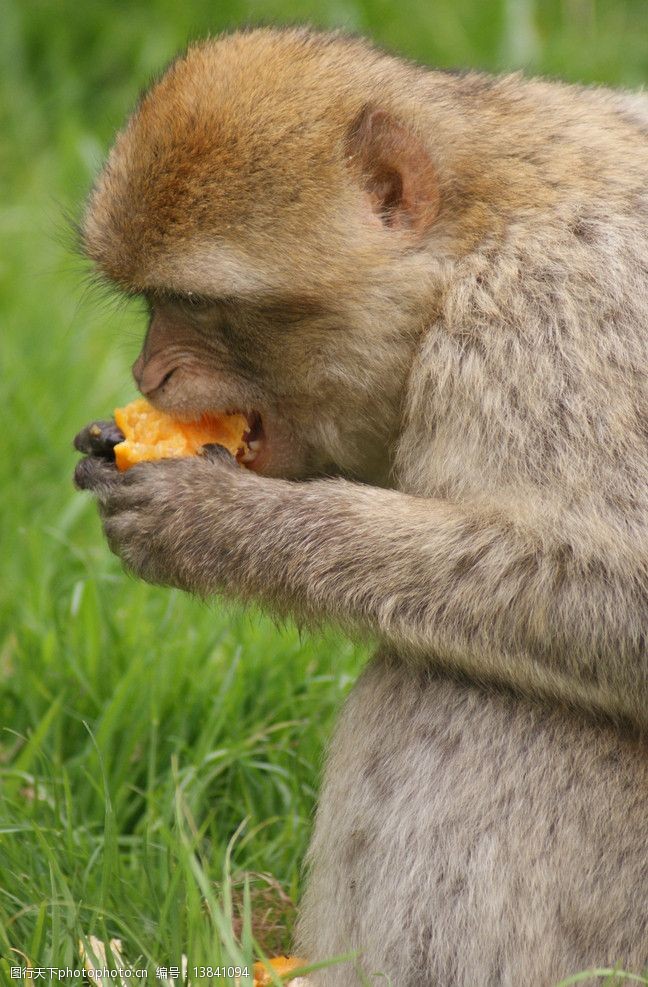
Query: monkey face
[204,355]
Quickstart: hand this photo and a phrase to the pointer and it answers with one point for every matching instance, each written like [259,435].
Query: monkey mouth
[253,438]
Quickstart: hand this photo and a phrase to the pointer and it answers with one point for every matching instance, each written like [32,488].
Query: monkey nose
[151,374]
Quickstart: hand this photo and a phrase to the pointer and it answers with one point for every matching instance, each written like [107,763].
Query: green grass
[159,756]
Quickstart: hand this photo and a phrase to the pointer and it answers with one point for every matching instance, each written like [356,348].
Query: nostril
[152,377]
[166,377]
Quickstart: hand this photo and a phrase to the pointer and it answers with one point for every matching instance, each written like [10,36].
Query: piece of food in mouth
[149,434]
[280,965]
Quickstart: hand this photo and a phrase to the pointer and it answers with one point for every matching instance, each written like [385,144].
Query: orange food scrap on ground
[280,965]
[152,434]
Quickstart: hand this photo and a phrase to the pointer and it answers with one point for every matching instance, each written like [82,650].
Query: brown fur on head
[241,144]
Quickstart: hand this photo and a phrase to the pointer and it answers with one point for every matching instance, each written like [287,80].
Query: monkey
[429,294]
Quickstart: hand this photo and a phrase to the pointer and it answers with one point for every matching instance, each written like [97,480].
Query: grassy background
[157,756]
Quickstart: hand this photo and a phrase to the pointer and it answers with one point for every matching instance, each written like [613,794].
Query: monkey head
[272,212]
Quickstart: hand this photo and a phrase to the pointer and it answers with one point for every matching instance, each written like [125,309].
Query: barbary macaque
[429,293]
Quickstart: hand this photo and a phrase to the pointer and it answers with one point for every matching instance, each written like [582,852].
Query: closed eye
[188,300]
[192,300]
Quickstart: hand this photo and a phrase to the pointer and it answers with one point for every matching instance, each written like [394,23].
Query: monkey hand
[171,521]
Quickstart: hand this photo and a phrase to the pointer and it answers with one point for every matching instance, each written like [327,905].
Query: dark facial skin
[201,355]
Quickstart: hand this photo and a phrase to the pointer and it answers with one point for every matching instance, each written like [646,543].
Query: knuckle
[84,474]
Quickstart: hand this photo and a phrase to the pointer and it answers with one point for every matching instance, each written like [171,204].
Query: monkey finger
[218,454]
[98,438]
[126,500]
[97,475]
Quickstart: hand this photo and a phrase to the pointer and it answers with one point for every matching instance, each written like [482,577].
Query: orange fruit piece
[280,965]
[152,434]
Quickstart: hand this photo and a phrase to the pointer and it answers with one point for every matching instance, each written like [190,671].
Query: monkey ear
[395,169]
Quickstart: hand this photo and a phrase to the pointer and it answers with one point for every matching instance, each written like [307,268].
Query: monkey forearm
[473,586]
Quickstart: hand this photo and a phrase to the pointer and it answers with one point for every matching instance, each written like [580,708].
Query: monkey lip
[253,438]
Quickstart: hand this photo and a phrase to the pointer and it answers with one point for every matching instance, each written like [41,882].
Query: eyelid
[194,300]
[189,300]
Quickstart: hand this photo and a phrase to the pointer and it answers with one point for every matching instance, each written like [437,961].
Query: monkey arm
[489,591]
